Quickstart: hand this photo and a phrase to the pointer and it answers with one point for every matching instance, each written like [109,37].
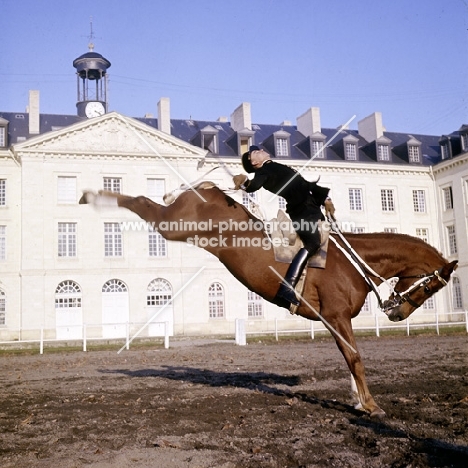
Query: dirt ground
[204,403]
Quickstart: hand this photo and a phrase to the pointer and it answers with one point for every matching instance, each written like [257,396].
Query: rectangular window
[2,192]
[281,203]
[155,189]
[2,308]
[358,230]
[383,153]
[157,244]
[318,149]
[2,137]
[423,234]
[391,230]
[386,197]
[452,240]
[67,239]
[448,198]
[366,306]
[112,184]
[429,304]
[2,242]
[66,189]
[249,200]
[419,201]
[254,305]
[350,152]
[112,240]
[413,154]
[355,199]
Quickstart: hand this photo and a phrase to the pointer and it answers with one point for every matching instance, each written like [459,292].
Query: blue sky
[405,58]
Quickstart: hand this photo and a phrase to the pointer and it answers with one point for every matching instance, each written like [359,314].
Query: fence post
[127,345]
[240,332]
[166,335]
[437,321]
[377,329]
[276,328]
[407,326]
[466,320]
[41,345]
[84,337]
[312,330]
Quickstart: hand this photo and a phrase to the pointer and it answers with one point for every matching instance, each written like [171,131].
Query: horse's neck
[391,255]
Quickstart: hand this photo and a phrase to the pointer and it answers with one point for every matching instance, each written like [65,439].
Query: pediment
[111,134]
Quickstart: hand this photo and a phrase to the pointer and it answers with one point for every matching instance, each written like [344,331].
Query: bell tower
[91,76]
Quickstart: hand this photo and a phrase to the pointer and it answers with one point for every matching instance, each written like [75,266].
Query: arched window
[114,286]
[67,295]
[159,292]
[216,300]
[457,293]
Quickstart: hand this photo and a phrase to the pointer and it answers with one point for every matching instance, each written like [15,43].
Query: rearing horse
[334,295]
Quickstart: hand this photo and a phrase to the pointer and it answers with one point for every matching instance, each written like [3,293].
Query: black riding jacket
[302,197]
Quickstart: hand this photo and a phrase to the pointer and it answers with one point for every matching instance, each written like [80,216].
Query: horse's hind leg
[344,336]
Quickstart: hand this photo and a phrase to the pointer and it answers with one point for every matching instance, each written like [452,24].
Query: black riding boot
[286,289]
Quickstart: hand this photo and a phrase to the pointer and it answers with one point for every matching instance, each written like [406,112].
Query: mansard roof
[187,130]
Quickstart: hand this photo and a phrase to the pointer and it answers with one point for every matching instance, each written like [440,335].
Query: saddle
[286,242]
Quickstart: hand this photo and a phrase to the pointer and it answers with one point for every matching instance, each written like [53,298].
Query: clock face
[94,109]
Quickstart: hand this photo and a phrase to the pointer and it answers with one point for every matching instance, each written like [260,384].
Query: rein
[367,272]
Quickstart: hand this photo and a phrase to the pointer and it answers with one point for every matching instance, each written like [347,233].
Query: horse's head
[410,294]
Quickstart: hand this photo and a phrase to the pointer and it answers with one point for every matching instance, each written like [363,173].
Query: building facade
[70,269]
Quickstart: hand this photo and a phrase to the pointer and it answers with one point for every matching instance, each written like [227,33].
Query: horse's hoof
[378,414]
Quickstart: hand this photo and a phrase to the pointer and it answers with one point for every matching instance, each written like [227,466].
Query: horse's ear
[447,269]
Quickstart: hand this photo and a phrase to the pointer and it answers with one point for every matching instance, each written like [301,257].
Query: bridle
[401,297]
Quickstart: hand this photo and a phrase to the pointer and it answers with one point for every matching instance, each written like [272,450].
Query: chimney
[309,122]
[34,112]
[164,115]
[370,127]
[241,118]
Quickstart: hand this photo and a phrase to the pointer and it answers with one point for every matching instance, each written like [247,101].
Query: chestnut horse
[207,216]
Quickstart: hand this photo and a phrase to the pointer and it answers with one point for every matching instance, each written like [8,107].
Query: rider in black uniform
[303,202]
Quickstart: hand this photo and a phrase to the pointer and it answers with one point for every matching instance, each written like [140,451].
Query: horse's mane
[389,236]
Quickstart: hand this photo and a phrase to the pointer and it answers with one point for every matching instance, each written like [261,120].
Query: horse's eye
[427,289]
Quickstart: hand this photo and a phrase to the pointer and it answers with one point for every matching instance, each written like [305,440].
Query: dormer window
[383,149]
[282,144]
[414,154]
[209,139]
[383,152]
[414,150]
[445,149]
[350,151]
[350,144]
[464,141]
[241,141]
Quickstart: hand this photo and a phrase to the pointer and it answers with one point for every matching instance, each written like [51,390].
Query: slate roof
[187,130]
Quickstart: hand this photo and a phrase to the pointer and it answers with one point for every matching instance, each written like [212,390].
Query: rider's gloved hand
[329,208]
[239,181]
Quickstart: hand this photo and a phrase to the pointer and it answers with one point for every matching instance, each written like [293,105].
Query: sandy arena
[203,403]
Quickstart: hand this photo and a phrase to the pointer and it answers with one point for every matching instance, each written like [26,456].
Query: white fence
[241,329]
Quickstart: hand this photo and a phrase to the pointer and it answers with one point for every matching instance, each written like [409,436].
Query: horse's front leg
[343,333]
